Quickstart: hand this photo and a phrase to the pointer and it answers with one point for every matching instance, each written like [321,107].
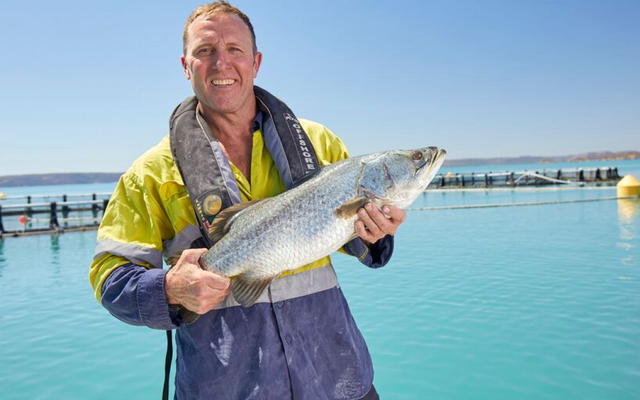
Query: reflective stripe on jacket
[299,341]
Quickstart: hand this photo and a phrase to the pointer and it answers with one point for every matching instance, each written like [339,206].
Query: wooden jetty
[544,177]
[20,218]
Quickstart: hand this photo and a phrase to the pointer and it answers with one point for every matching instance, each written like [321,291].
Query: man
[299,341]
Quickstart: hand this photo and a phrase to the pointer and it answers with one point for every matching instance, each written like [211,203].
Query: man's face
[220,63]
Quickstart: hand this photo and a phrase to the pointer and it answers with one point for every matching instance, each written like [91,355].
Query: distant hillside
[595,156]
[75,178]
[58,179]
[606,155]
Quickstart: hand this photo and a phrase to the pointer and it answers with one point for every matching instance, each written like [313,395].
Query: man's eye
[234,49]
[205,50]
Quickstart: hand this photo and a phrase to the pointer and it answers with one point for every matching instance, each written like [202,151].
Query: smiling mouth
[223,82]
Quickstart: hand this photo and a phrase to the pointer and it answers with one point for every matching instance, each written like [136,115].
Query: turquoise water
[537,302]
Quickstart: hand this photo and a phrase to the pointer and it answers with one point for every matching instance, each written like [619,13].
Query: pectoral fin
[351,207]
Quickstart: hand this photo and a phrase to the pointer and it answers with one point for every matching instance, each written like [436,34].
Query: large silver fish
[257,241]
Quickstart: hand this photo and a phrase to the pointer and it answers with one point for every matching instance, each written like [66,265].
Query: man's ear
[257,60]
[185,67]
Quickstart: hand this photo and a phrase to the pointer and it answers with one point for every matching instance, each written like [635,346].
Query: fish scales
[313,220]
[289,230]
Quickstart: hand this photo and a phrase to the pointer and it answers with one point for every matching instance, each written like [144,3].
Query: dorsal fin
[224,220]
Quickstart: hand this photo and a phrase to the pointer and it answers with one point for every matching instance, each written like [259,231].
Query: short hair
[210,10]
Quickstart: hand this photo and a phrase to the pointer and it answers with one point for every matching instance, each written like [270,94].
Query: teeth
[223,82]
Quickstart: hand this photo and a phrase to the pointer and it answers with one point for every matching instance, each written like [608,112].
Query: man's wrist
[167,288]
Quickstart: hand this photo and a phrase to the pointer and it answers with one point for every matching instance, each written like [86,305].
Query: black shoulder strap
[194,154]
[198,166]
[298,150]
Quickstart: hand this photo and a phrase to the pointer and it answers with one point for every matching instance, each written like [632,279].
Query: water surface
[537,302]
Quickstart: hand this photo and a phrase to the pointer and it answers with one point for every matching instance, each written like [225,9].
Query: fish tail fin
[246,289]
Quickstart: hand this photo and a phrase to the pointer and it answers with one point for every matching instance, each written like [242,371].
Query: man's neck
[233,132]
[230,128]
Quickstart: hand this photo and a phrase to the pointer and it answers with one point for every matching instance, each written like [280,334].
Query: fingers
[372,219]
[363,234]
[213,291]
[372,225]
[215,281]
[192,256]
[209,297]
[375,221]
[203,292]
[395,213]
[190,286]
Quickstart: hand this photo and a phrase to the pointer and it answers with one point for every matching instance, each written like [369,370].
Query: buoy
[2,195]
[628,186]
[22,220]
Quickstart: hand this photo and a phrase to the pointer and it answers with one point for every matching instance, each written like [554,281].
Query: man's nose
[221,59]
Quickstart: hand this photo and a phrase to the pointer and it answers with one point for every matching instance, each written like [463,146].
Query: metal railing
[576,176]
[63,215]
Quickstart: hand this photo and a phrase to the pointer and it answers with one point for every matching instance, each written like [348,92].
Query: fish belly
[289,230]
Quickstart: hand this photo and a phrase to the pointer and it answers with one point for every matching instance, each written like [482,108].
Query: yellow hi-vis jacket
[150,214]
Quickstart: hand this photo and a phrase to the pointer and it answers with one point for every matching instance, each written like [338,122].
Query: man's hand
[190,286]
[372,225]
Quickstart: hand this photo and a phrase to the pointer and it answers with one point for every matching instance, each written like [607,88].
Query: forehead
[226,27]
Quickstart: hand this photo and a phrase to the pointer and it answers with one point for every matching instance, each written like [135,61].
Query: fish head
[398,177]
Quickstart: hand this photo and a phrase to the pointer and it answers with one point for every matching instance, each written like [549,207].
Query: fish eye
[417,155]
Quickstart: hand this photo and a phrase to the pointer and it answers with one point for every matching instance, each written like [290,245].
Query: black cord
[167,366]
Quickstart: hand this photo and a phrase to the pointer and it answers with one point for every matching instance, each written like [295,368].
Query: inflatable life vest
[205,169]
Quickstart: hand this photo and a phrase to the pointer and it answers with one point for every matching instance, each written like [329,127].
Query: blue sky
[87,86]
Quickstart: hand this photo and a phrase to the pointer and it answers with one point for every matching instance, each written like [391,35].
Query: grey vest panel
[206,171]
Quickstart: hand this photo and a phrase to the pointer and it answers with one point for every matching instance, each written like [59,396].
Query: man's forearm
[135,295]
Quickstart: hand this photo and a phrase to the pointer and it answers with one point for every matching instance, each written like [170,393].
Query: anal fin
[246,290]
[187,316]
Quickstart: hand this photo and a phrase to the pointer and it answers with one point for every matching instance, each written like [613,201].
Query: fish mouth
[429,169]
[442,154]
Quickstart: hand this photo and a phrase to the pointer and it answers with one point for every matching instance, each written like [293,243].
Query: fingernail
[385,210]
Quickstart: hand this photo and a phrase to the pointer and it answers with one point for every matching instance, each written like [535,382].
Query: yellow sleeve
[132,230]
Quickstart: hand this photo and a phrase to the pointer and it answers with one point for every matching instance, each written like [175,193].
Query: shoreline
[75,178]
